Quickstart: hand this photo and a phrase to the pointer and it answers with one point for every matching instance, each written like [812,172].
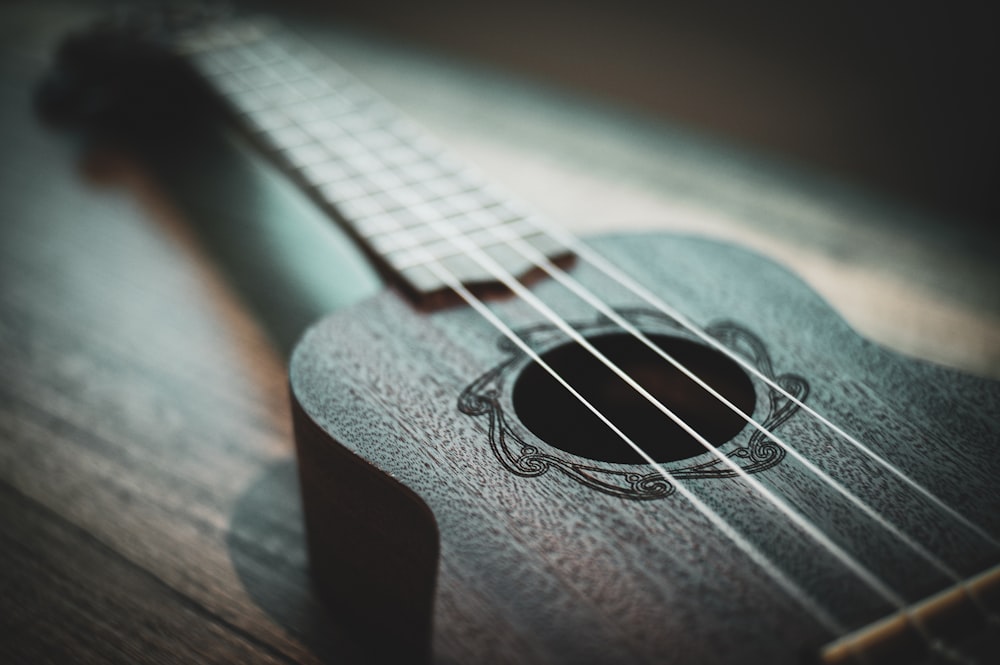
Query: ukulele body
[443,528]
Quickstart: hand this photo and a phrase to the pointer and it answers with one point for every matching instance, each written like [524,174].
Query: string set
[474,251]
[857,568]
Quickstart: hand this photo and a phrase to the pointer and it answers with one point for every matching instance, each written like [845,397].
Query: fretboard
[401,193]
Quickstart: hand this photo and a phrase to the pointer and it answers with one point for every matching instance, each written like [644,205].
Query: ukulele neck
[418,211]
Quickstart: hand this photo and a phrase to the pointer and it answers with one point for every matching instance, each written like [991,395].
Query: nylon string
[880,588]
[822,616]
[541,261]
[859,570]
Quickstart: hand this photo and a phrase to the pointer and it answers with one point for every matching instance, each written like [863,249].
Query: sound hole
[557,417]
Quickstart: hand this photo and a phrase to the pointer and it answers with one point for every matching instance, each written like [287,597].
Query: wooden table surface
[148,496]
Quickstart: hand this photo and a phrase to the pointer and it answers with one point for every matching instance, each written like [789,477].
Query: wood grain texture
[148,491]
[579,576]
[148,495]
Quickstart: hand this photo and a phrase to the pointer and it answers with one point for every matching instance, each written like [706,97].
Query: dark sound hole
[558,418]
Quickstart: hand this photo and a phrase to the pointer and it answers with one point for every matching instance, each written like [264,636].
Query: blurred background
[854,142]
[148,493]
[891,97]
[895,97]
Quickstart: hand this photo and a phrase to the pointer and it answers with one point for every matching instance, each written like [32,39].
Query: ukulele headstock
[126,70]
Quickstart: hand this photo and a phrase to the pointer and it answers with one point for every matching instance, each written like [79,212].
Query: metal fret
[389,181]
[425,237]
[405,258]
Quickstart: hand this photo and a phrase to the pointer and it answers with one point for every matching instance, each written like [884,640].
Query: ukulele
[631,448]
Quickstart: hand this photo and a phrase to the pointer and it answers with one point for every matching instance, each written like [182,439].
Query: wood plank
[138,525]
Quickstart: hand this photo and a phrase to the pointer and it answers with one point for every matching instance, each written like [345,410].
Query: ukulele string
[574,245]
[794,590]
[859,570]
[823,617]
[935,562]
[580,249]
[866,576]
[539,260]
[818,612]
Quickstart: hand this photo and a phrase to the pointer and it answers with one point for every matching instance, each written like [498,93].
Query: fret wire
[230,60]
[366,164]
[310,86]
[410,237]
[292,73]
[483,217]
[263,77]
[443,207]
[379,224]
[381,172]
[327,126]
[267,120]
[230,85]
[379,139]
[402,155]
[263,51]
[360,208]
[382,179]
[308,153]
[402,193]
[282,95]
[406,242]
[342,193]
[389,180]
[432,211]
[415,235]
[418,268]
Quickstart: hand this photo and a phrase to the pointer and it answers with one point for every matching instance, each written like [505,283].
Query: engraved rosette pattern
[524,455]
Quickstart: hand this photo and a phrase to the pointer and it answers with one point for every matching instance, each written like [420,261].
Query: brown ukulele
[635,448]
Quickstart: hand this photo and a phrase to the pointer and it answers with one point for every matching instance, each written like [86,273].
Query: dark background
[894,97]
